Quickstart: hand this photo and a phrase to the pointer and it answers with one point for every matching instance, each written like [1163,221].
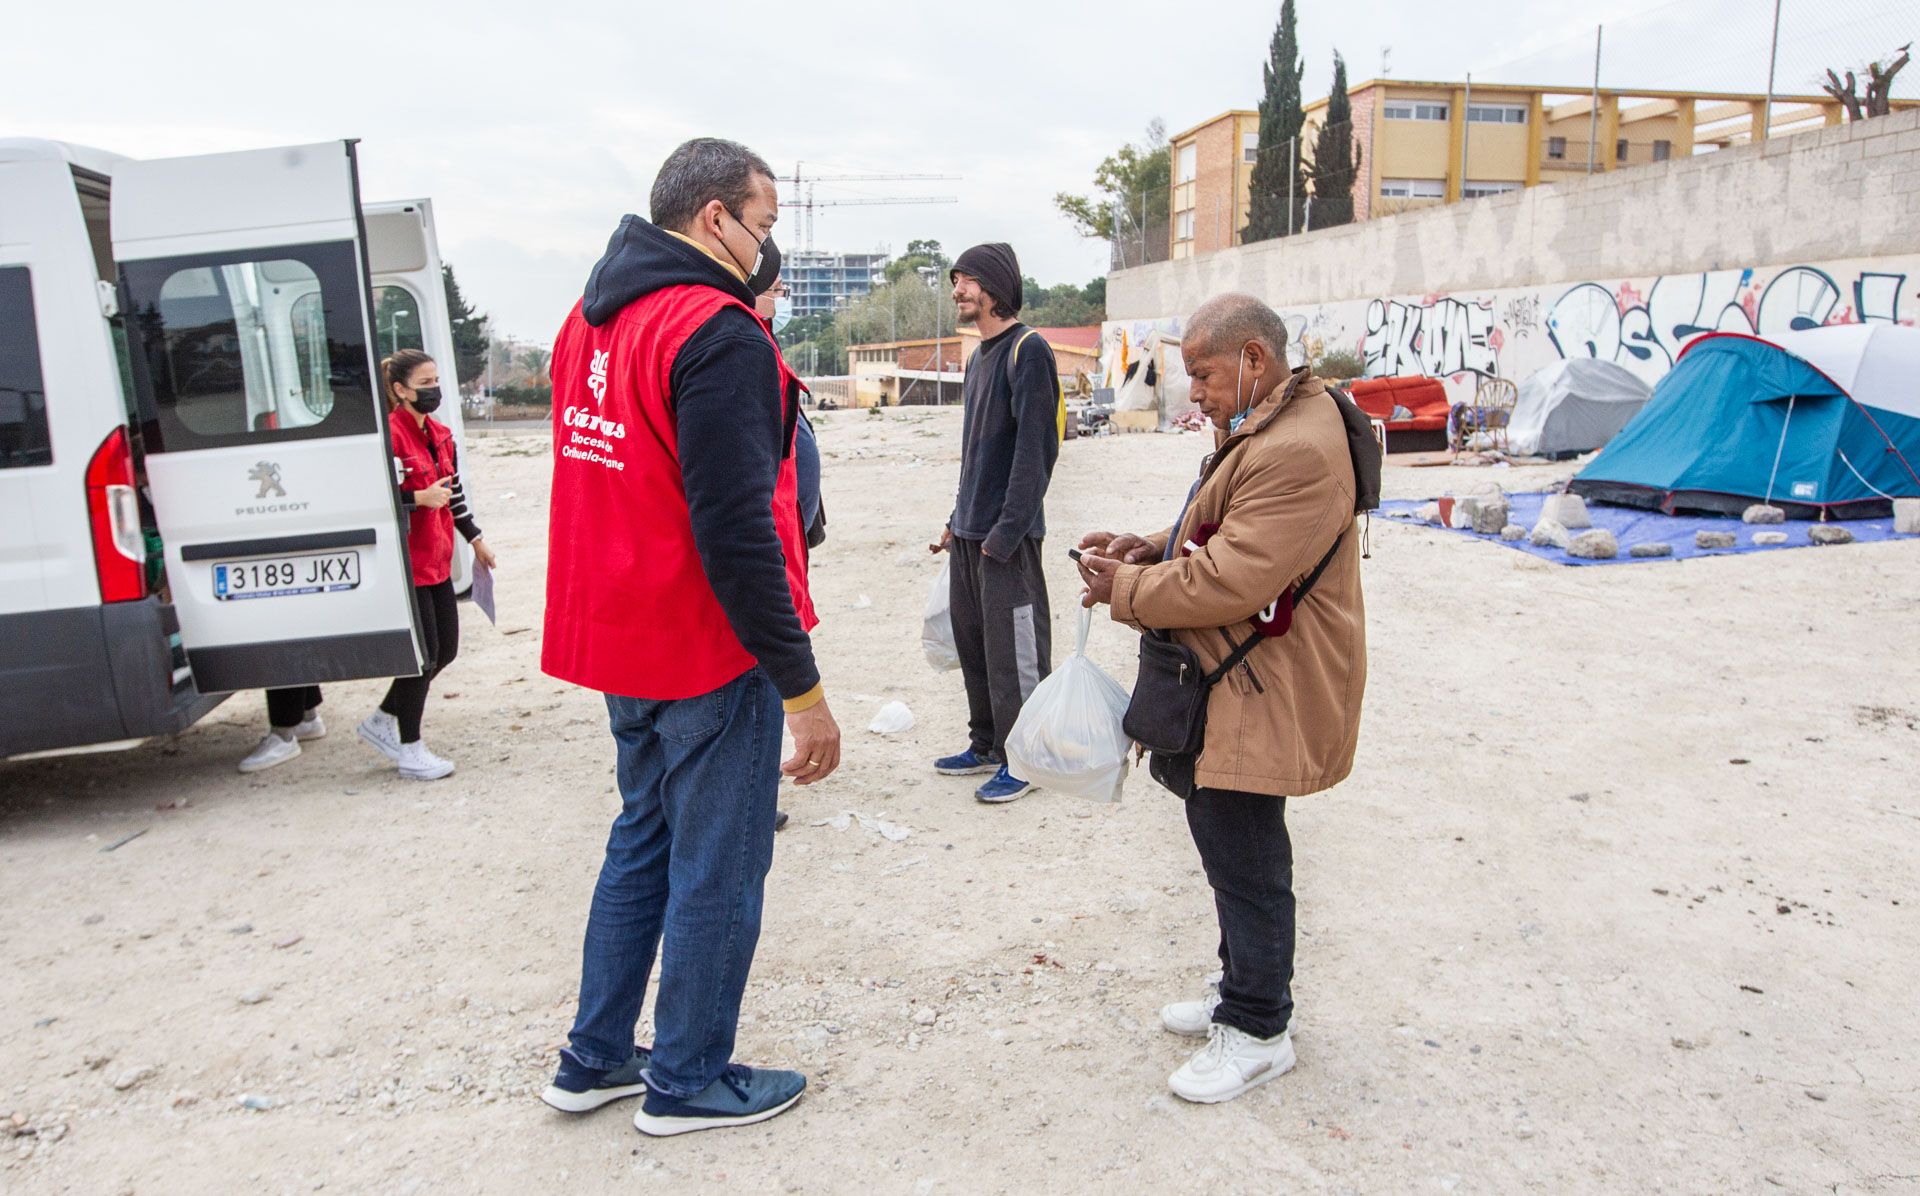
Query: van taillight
[119,546]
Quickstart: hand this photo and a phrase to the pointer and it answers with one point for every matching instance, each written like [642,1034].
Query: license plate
[314,573]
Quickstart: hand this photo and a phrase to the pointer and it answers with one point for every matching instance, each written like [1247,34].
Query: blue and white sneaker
[1004,787]
[741,1096]
[577,1088]
[967,764]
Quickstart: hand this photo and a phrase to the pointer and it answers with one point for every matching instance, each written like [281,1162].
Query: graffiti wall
[1639,323]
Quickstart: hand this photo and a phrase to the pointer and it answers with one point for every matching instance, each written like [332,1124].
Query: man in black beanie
[1010,439]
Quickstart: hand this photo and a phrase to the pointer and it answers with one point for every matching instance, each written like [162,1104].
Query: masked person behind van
[436,507]
[677,587]
[1269,524]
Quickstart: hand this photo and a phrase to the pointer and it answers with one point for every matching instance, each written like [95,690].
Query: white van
[196,490]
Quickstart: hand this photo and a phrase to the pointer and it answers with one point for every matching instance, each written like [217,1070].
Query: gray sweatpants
[1003,630]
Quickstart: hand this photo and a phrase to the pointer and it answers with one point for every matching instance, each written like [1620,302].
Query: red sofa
[1426,398]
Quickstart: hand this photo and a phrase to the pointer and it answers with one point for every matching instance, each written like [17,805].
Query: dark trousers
[1244,847]
[406,698]
[1003,631]
[287,708]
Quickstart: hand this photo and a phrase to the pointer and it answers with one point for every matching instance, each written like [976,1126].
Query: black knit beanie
[998,271]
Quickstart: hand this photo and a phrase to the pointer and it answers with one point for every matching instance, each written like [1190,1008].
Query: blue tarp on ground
[1631,526]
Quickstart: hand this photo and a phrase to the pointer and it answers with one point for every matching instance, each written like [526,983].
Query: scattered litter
[258,1104]
[253,996]
[123,841]
[861,603]
[893,832]
[281,944]
[509,496]
[893,718]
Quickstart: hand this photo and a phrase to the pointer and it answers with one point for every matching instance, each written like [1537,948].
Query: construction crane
[803,198]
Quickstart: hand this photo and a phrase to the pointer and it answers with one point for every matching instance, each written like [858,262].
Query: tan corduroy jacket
[1280,499]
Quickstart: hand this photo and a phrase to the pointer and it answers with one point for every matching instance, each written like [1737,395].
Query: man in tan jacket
[1274,501]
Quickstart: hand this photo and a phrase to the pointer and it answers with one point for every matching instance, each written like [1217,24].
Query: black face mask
[426,399]
[766,263]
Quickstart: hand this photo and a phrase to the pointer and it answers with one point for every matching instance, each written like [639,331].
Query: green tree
[1336,156]
[1279,185]
[396,320]
[470,331]
[1065,305]
[919,254]
[1132,204]
[536,360]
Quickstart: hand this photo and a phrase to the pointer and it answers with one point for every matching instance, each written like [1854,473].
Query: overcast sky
[535,126]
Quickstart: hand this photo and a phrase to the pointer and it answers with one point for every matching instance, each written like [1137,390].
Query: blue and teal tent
[1740,420]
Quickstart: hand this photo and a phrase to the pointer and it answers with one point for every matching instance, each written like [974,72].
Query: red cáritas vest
[629,609]
[422,463]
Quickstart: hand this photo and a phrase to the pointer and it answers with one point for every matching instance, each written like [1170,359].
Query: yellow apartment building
[1423,143]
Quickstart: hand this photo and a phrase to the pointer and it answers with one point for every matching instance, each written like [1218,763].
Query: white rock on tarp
[1567,510]
[1490,515]
[1906,516]
[1762,513]
[1428,513]
[1595,545]
[1549,534]
[1769,539]
[1826,533]
[893,718]
[1512,532]
[1462,517]
[1705,539]
[1656,549]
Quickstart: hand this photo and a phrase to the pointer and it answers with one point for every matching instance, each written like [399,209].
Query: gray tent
[1574,406]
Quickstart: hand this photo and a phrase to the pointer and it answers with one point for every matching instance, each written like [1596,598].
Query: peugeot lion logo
[267,473]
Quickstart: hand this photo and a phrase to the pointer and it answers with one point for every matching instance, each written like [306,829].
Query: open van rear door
[244,287]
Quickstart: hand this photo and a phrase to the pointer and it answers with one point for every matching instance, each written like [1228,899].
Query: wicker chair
[1490,412]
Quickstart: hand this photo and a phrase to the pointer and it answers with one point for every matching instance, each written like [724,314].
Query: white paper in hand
[483,591]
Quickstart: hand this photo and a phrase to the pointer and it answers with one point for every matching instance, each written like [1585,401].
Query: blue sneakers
[741,1096]
[577,1088]
[1004,787]
[966,764]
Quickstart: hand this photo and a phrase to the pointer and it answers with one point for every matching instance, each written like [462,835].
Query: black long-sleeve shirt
[1010,439]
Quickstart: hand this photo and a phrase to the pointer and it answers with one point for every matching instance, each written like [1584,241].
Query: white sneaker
[312,727]
[1190,1018]
[1231,1063]
[419,764]
[382,730]
[272,750]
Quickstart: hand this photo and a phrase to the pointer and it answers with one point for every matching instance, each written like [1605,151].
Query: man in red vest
[677,587]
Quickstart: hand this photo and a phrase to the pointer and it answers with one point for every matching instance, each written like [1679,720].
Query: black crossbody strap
[1247,645]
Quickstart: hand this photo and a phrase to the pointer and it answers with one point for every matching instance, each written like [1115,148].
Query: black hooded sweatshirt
[727,409]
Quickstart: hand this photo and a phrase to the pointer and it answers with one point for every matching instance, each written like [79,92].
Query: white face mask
[782,312]
[1240,413]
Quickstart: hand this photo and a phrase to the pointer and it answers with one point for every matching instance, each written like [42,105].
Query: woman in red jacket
[436,507]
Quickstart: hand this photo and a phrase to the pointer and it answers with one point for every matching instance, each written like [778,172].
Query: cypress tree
[1277,175]
[1336,156]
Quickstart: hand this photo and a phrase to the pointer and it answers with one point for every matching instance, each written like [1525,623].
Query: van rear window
[23,397]
[252,348]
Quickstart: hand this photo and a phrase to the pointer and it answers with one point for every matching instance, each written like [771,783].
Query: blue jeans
[685,872]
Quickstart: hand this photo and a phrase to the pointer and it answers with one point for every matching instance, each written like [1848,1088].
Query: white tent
[1877,364]
[1574,406]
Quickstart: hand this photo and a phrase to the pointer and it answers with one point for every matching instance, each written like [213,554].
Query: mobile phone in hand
[1075,554]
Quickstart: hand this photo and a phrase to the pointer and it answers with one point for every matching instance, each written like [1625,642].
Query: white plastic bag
[936,631]
[1068,735]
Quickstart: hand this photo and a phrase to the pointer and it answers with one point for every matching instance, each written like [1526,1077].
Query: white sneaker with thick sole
[312,727]
[1231,1063]
[272,750]
[419,764]
[382,730]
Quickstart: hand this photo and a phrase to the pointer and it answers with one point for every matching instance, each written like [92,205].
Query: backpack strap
[1013,358]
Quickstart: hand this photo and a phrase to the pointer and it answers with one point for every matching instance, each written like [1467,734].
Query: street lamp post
[932,275]
[393,331]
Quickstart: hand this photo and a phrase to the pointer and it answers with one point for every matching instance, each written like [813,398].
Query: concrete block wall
[1847,192]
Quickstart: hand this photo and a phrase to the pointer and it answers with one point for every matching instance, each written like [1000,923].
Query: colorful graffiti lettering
[1646,334]
[1438,337]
